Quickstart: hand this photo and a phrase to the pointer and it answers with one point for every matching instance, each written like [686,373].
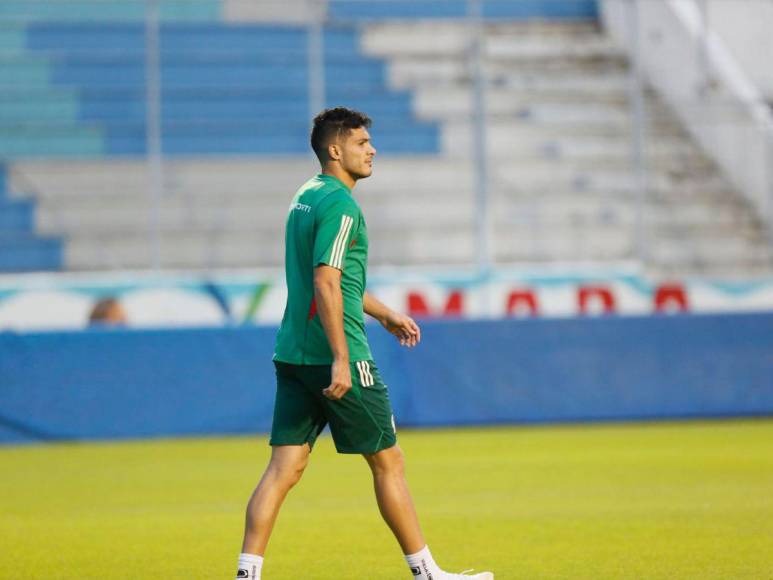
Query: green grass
[671,501]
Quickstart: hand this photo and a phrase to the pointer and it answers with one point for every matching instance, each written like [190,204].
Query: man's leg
[283,472]
[396,506]
[394,498]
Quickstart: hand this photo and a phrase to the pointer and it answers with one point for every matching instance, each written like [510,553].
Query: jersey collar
[326,177]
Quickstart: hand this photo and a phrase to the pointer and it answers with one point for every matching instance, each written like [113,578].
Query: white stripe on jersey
[339,245]
[342,249]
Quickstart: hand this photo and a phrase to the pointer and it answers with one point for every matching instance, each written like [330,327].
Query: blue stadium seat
[221,83]
[88,10]
[29,253]
[511,9]
[16,216]
[20,249]
[221,103]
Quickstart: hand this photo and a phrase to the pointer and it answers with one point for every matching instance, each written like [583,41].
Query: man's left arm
[403,327]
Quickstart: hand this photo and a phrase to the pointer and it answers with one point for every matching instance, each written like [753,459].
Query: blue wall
[116,384]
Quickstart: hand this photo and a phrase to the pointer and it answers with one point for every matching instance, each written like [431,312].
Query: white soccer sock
[249,566]
[422,566]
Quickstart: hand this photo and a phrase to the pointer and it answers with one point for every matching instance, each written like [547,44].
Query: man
[324,368]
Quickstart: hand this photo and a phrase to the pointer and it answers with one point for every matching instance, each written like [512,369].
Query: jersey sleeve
[336,221]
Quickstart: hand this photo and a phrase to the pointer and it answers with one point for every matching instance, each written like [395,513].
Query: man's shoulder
[336,199]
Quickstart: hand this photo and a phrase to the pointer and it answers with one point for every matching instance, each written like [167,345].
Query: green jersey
[324,226]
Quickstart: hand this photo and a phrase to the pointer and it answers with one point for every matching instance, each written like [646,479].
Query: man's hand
[403,327]
[340,380]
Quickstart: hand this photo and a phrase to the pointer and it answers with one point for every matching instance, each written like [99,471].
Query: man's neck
[340,175]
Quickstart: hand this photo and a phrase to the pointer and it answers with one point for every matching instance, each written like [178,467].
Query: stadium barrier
[104,384]
[153,300]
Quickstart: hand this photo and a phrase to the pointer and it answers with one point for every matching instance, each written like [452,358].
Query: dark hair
[331,124]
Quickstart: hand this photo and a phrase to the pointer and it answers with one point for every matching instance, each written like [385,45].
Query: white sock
[249,566]
[422,565]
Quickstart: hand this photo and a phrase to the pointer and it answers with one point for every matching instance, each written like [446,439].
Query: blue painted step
[357,10]
[122,38]
[20,249]
[237,105]
[28,253]
[16,215]
[414,139]
[267,75]
[105,10]
[223,87]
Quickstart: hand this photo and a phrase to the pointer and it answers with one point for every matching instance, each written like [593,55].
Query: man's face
[357,153]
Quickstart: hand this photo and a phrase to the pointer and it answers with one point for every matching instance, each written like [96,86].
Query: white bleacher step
[549,208]
[656,161]
[604,244]
[528,178]
[515,48]
[456,103]
[503,40]
[269,11]
[249,176]
[177,249]
[405,73]
[501,98]
[126,214]
[719,252]
[589,78]
[184,249]
[505,139]
[552,209]
[679,264]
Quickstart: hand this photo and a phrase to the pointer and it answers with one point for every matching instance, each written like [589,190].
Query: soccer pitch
[676,500]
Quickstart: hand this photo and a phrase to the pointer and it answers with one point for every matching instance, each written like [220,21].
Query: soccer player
[324,369]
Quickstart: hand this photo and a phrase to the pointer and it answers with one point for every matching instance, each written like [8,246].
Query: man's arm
[403,327]
[330,307]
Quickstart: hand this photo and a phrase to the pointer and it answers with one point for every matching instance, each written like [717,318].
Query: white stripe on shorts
[366,378]
[362,374]
[368,374]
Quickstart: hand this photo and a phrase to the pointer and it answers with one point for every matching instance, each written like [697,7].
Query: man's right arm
[330,308]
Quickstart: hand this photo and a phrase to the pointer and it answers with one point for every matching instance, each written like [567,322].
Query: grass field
[679,500]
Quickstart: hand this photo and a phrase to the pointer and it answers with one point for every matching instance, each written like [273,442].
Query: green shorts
[360,422]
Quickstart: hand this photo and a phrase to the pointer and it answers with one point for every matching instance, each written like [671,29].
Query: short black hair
[331,124]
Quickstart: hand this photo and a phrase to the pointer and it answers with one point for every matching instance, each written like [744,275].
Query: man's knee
[387,462]
[286,469]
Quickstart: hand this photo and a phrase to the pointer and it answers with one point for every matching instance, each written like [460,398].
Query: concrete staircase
[559,144]
[562,182]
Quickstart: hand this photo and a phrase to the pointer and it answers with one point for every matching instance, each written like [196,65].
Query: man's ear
[334,152]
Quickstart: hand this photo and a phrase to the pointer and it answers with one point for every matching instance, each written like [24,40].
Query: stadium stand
[239,89]
[20,248]
[235,121]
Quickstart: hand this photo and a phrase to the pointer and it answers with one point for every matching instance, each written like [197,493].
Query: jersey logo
[300,207]
[352,243]
[313,308]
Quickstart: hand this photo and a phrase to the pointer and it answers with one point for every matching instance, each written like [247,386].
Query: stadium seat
[235,112]
[20,248]
[78,89]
